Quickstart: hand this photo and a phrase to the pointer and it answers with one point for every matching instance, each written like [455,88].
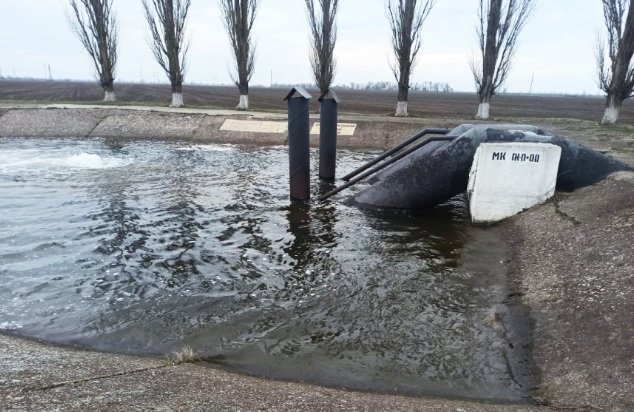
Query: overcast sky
[556,47]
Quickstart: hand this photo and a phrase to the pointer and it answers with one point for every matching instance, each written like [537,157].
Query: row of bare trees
[95,26]
[166,20]
[238,18]
[500,23]
[406,22]
[323,30]
[616,75]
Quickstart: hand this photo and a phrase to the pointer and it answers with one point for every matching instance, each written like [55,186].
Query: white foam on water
[93,161]
[10,325]
[13,161]
[208,148]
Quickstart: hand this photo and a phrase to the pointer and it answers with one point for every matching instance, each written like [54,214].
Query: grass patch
[181,356]
[619,127]
[624,150]
[128,103]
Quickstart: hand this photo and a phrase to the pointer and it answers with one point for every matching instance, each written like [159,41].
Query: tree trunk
[612,111]
[401,109]
[490,55]
[244,96]
[401,105]
[177,94]
[97,30]
[244,102]
[483,111]
[177,100]
[483,108]
[109,96]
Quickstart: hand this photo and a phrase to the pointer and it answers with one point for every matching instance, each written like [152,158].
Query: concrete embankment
[37,377]
[197,125]
[571,264]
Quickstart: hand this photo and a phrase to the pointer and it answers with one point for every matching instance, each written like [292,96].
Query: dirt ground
[421,104]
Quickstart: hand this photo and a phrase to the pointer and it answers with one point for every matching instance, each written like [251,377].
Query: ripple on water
[144,247]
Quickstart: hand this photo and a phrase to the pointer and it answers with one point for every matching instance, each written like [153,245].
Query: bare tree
[239,16]
[166,20]
[500,24]
[406,21]
[94,24]
[616,80]
[323,31]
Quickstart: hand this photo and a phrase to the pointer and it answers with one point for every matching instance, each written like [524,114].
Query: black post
[328,135]
[299,143]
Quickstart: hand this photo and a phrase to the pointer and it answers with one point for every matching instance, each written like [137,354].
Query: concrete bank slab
[159,109]
[26,365]
[132,124]
[50,123]
[38,377]
[200,125]
[574,266]
[209,130]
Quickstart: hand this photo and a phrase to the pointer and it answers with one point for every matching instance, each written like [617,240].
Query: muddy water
[146,247]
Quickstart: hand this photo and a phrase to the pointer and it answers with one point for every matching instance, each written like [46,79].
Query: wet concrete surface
[41,377]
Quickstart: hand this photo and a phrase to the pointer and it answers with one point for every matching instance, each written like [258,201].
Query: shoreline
[195,125]
[570,265]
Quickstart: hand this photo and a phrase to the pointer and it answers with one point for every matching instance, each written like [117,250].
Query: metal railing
[393,150]
[351,179]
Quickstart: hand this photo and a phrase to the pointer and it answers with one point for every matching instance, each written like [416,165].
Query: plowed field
[421,104]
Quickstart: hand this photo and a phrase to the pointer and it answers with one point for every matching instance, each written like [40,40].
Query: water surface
[145,247]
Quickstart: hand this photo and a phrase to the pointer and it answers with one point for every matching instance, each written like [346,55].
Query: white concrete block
[507,178]
[343,129]
[254,126]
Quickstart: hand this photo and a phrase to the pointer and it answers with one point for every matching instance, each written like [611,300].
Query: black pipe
[327,139]
[299,147]
[393,150]
[386,163]
[428,178]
